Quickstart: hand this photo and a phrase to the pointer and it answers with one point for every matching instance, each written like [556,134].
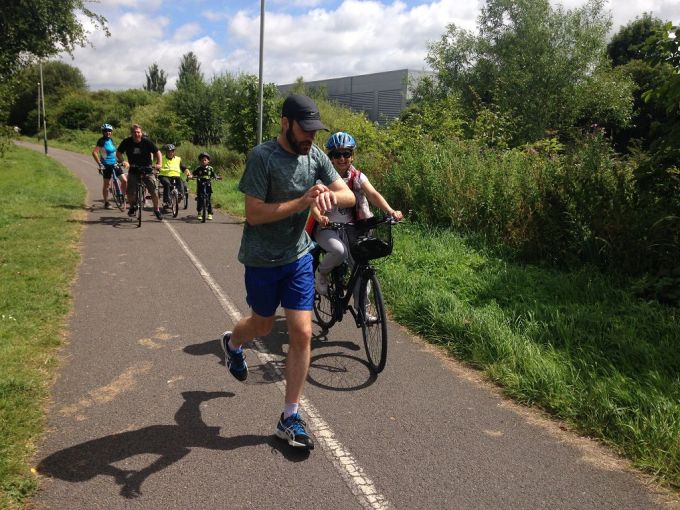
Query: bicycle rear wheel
[373,322]
[174,203]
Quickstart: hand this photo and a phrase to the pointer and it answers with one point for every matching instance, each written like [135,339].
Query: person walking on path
[280,185]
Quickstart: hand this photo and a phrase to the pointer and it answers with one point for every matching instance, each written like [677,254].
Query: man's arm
[323,197]
[344,196]
[119,156]
[159,159]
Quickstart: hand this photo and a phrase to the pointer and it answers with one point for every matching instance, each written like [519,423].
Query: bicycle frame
[358,271]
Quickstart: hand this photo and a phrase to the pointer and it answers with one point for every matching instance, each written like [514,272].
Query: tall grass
[37,264]
[577,344]
[579,207]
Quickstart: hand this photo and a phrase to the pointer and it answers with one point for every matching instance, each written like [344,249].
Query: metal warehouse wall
[382,96]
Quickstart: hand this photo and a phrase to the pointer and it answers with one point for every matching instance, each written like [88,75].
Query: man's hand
[323,221]
[321,197]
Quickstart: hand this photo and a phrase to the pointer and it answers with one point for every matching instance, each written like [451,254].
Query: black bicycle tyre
[186,195]
[118,197]
[174,203]
[325,306]
[140,202]
[375,332]
[204,209]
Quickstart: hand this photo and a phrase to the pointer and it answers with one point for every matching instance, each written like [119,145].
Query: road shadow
[331,367]
[170,443]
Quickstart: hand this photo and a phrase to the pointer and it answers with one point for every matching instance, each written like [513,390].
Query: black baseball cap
[304,110]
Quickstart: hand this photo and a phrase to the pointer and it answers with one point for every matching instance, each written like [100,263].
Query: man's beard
[295,145]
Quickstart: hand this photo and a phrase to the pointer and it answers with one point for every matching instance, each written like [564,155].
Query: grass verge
[37,265]
[577,344]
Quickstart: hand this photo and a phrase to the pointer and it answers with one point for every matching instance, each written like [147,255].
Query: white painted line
[348,468]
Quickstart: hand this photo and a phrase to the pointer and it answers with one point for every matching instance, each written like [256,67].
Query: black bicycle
[178,194]
[204,200]
[367,240]
[115,188]
[141,190]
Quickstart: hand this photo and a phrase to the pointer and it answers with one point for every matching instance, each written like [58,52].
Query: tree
[631,50]
[242,112]
[189,70]
[40,29]
[629,42]
[59,79]
[534,64]
[155,79]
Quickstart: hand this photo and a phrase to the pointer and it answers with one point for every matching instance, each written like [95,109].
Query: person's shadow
[171,443]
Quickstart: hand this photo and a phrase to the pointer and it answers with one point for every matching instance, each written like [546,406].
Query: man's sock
[290,409]
[231,346]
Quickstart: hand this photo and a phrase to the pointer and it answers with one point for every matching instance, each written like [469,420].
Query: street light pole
[42,94]
[261,89]
[39,106]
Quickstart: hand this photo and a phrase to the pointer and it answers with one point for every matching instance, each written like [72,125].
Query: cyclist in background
[104,153]
[170,173]
[340,147]
[140,151]
[203,173]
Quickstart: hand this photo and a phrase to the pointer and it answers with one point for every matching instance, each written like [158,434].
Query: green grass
[38,257]
[577,344]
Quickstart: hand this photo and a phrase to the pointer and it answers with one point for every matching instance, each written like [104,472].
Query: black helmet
[204,155]
[169,147]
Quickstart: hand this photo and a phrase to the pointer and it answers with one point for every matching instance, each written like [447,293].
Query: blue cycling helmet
[107,127]
[340,140]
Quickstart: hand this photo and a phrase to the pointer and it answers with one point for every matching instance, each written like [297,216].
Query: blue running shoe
[292,429]
[234,360]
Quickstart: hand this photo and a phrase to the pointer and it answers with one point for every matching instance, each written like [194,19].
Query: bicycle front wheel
[118,197]
[373,322]
[174,203]
[140,204]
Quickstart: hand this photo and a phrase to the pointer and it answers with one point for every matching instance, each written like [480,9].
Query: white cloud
[355,37]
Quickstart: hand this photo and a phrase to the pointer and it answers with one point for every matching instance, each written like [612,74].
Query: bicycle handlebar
[363,224]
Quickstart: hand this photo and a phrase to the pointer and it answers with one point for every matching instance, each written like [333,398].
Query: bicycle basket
[373,243]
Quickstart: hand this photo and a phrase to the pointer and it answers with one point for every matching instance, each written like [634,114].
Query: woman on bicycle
[170,173]
[340,147]
[104,153]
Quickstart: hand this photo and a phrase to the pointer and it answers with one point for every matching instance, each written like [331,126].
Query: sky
[312,39]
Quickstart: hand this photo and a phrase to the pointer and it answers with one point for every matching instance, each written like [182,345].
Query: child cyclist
[340,147]
[203,174]
[170,173]
[104,153]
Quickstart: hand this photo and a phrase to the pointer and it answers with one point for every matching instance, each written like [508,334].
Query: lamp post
[261,85]
[42,94]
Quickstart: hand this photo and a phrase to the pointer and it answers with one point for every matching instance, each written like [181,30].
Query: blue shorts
[290,285]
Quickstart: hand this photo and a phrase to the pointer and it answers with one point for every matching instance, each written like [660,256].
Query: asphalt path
[144,414]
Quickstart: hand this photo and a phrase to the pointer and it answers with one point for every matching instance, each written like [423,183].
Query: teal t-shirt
[275,176]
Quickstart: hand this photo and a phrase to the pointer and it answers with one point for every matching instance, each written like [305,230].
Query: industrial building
[381,96]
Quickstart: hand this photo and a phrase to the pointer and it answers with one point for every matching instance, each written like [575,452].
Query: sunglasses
[338,155]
